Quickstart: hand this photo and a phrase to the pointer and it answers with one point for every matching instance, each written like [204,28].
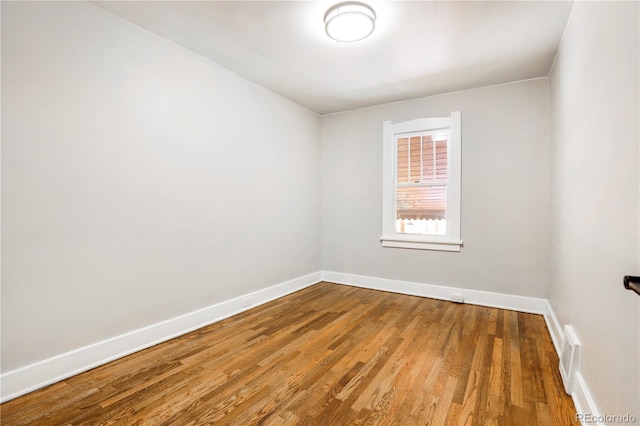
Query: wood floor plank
[326,355]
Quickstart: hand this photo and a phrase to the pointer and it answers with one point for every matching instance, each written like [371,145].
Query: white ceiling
[419,48]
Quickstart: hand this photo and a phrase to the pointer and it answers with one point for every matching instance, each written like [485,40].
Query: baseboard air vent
[569,358]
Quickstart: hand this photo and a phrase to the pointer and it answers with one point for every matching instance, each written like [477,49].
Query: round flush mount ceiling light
[349,21]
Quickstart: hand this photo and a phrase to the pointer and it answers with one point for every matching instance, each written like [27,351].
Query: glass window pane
[421,209]
[441,160]
[403,160]
[414,159]
[427,159]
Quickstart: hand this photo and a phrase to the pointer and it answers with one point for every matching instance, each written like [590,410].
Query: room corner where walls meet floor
[37,375]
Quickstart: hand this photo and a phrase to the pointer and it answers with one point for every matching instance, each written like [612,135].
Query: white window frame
[451,241]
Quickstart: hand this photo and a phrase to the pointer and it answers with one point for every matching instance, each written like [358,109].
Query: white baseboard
[40,374]
[43,373]
[581,395]
[532,305]
[583,400]
[555,330]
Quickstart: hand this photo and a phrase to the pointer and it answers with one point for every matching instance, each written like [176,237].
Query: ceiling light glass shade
[350,21]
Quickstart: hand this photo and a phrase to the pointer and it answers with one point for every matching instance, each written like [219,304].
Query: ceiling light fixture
[349,21]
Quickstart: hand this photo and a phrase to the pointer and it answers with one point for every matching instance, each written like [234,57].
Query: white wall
[505,192]
[594,139]
[140,181]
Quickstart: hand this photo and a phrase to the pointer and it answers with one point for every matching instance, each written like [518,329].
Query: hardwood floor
[326,355]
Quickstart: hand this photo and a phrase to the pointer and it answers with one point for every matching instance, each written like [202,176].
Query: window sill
[424,243]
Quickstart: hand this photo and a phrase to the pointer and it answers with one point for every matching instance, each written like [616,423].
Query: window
[421,184]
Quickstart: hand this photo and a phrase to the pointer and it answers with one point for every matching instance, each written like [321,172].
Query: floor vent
[569,358]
